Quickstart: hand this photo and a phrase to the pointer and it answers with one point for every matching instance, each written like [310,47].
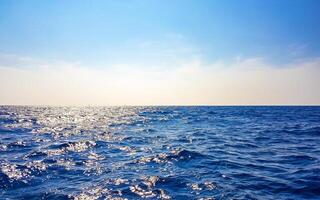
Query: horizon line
[167,105]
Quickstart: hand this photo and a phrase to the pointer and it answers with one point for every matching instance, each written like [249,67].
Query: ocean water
[159,152]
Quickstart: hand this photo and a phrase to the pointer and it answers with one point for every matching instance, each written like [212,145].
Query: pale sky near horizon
[171,52]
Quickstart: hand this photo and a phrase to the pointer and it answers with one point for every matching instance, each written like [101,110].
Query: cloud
[297,50]
[240,81]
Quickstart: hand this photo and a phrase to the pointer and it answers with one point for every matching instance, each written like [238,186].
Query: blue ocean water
[159,152]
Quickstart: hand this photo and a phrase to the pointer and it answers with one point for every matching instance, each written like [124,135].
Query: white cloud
[240,81]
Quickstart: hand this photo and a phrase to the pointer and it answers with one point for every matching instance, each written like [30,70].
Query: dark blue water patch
[225,152]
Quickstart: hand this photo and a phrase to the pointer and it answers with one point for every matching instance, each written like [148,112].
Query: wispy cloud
[297,49]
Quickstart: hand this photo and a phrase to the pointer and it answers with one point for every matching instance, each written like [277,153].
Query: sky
[169,52]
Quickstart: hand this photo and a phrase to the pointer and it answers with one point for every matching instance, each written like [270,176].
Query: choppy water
[160,152]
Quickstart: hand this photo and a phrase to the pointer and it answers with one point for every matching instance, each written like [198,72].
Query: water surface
[159,152]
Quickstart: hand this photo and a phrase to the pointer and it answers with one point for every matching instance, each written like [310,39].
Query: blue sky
[93,31]
[143,52]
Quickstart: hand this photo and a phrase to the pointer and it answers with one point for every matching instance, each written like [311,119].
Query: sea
[158,152]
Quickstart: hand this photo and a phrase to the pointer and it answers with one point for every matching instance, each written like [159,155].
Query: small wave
[183,154]
[14,172]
